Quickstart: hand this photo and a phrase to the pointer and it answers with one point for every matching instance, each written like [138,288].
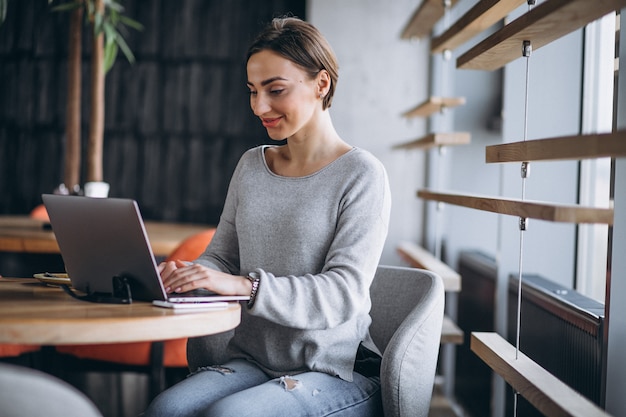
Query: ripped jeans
[239,388]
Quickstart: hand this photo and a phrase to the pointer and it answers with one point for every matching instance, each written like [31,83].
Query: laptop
[103,238]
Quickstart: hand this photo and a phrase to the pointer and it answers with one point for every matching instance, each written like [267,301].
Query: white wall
[380,77]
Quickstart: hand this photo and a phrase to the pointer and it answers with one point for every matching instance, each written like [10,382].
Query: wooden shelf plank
[558,149]
[437,139]
[548,394]
[418,257]
[434,105]
[450,332]
[424,19]
[479,18]
[545,23]
[526,209]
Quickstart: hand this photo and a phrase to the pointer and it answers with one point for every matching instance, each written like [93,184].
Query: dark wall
[177,120]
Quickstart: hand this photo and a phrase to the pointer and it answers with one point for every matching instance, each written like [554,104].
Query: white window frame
[597,117]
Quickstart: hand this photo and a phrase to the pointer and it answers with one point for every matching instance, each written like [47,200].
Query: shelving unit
[434,105]
[560,149]
[421,24]
[482,16]
[437,139]
[424,19]
[551,396]
[419,257]
[524,208]
[545,23]
[539,26]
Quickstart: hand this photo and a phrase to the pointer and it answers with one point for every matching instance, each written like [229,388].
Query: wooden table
[26,235]
[34,313]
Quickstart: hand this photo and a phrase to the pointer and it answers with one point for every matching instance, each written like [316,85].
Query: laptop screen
[101,238]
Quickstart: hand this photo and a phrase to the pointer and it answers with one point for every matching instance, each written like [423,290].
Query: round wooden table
[35,313]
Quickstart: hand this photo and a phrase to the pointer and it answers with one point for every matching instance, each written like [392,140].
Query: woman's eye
[277,91]
[252,93]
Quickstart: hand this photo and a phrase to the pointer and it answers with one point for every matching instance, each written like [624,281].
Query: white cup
[97,189]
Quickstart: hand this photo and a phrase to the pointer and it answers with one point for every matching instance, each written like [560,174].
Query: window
[597,117]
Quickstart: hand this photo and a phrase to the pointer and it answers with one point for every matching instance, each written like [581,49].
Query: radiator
[562,331]
[472,381]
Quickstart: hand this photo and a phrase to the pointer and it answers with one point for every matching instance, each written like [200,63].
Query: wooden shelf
[424,19]
[434,105]
[479,18]
[418,257]
[545,23]
[437,139]
[526,209]
[557,149]
[548,394]
[451,333]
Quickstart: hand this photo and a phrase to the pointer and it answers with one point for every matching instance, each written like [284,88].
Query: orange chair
[192,247]
[152,357]
[11,350]
[40,213]
[20,354]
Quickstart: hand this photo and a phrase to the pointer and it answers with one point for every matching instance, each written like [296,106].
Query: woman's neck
[308,151]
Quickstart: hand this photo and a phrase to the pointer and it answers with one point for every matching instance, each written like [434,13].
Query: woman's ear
[323,82]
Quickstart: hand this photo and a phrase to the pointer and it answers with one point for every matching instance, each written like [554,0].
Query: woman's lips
[268,123]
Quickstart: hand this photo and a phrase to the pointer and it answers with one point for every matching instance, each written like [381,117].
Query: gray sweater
[315,243]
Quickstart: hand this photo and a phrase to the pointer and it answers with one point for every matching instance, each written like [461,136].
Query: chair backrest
[407,315]
[26,392]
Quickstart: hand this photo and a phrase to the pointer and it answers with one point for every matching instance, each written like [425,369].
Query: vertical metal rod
[439,206]
[447,4]
[438,231]
[522,228]
[526,52]
[445,73]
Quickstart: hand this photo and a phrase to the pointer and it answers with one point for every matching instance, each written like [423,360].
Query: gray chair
[407,315]
[26,392]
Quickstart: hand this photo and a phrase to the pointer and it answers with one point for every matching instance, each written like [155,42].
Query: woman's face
[281,94]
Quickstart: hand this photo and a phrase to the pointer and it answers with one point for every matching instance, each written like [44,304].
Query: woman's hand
[178,276]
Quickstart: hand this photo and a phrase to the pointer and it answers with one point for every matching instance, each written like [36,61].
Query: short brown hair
[301,43]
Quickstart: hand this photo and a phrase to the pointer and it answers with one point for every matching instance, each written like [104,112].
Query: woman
[302,232]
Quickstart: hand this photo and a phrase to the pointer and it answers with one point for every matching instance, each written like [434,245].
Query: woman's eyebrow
[268,81]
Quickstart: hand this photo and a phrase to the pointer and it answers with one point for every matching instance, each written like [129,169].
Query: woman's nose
[260,105]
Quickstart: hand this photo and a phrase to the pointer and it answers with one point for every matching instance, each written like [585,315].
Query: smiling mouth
[268,123]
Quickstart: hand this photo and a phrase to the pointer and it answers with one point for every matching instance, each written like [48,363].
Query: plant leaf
[114,17]
[113,5]
[130,22]
[66,7]
[3,10]
[125,49]
[98,25]
[110,54]
[90,7]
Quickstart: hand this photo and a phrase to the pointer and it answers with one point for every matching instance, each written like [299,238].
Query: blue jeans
[241,389]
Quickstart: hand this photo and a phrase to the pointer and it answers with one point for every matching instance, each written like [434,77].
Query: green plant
[105,18]
[3,10]
[106,21]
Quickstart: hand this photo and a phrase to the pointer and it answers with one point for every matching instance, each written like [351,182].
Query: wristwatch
[255,280]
